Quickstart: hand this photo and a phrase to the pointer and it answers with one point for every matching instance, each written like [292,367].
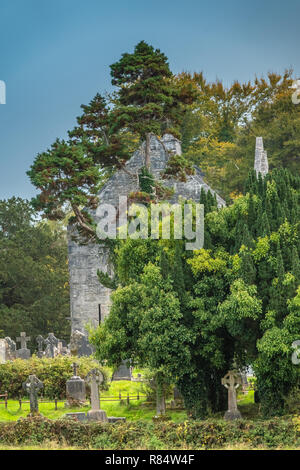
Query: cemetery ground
[51,431]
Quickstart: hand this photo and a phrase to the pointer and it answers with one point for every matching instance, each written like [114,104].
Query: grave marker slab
[75,389]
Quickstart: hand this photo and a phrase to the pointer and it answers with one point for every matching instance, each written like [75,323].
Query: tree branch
[82,220]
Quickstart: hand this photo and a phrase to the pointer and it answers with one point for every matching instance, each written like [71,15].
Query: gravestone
[95,378]
[123,372]
[177,399]
[75,390]
[79,345]
[116,419]
[232,381]
[79,416]
[3,346]
[23,352]
[11,349]
[40,342]
[62,350]
[32,386]
[51,343]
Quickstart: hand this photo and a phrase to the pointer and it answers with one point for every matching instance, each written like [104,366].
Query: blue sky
[55,55]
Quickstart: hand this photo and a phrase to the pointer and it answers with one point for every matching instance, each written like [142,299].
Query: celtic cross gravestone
[232,381]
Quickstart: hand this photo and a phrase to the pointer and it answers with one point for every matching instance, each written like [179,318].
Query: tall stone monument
[32,386]
[95,378]
[40,342]
[51,343]
[261,165]
[232,381]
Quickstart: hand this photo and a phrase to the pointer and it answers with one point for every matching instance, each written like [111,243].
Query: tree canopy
[34,289]
[234,303]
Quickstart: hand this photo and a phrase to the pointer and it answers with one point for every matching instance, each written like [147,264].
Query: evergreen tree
[148,101]
[178,274]
[248,270]
[295,264]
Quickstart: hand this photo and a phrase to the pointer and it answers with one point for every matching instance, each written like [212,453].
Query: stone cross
[232,381]
[23,340]
[32,386]
[40,343]
[51,342]
[95,378]
[75,367]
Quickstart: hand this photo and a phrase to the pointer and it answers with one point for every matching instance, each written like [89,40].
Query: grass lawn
[136,410]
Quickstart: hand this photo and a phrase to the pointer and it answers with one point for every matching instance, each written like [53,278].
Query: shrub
[292,401]
[52,372]
[209,434]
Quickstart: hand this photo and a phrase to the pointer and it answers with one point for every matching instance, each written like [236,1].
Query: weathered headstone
[75,389]
[32,387]
[177,400]
[62,350]
[79,416]
[3,346]
[51,343]
[23,352]
[232,381]
[10,349]
[79,345]
[40,342]
[114,419]
[95,378]
[123,372]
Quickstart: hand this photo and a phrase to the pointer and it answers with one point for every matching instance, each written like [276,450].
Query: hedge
[209,434]
[52,372]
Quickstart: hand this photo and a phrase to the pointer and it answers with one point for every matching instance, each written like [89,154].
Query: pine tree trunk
[147,156]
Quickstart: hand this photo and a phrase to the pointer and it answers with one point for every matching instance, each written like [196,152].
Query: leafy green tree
[34,289]
[220,125]
[145,317]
